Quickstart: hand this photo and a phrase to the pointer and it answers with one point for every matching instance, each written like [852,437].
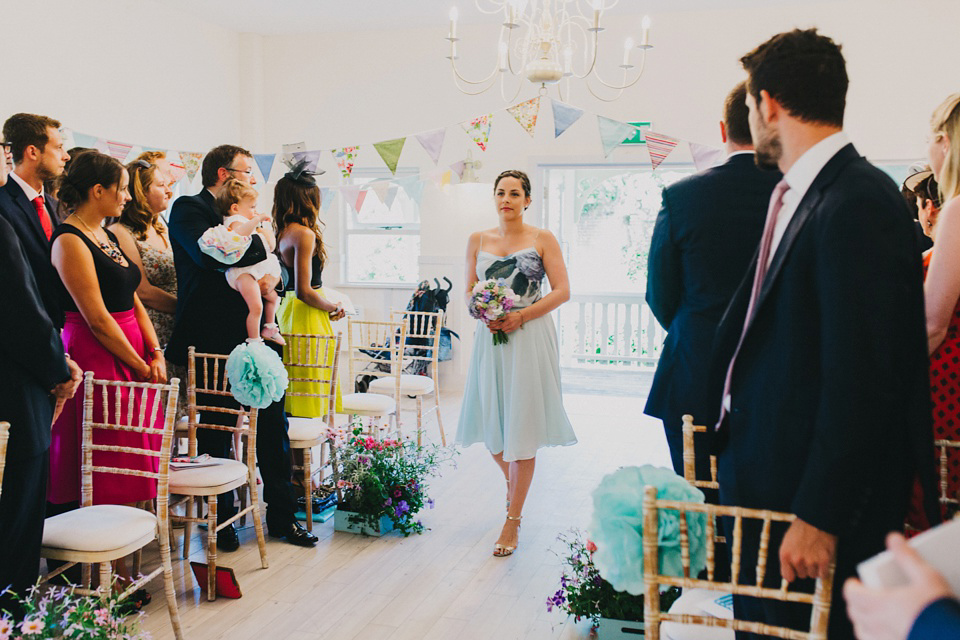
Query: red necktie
[776,203]
[44,218]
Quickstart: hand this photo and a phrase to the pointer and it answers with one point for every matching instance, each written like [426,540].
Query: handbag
[445,352]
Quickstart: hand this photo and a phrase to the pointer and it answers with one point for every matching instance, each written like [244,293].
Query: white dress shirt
[29,191]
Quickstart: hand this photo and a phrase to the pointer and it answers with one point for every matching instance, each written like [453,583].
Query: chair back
[949,458]
[653,579]
[128,407]
[207,375]
[690,458]
[313,363]
[4,436]
[422,342]
[373,349]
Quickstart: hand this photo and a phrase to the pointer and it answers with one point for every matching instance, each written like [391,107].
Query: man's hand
[889,614]
[806,552]
[66,389]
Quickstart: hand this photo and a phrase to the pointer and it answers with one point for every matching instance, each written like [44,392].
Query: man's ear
[723,132]
[768,107]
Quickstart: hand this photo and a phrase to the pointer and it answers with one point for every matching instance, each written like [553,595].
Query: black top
[117,282]
[316,275]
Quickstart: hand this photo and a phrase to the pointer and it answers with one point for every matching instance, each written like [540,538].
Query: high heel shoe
[502,551]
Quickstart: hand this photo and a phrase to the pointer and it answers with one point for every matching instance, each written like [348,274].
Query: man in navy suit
[822,370]
[706,232]
[33,373]
[38,156]
[211,316]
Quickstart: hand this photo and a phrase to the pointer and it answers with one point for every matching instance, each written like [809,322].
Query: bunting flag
[354,195]
[380,187]
[458,167]
[345,158]
[119,150]
[84,140]
[191,163]
[526,114]
[390,150]
[290,148]
[563,116]
[412,186]
[479,130]
[391,196]
[265,162]
[327,196]
[659,147]
[360,198]
[312,158]
[177,170]
[432,143]
[705,157]
[612,133]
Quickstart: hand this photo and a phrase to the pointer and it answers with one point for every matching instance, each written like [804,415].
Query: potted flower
[384,482]
[584,593]
[56,612]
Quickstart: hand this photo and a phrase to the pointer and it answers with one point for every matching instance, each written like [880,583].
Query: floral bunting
[191,163]
[612,133]
[479,130]
[525,113]
[345,158]
[432,143]
[659,146]
[177,170]
[389,151]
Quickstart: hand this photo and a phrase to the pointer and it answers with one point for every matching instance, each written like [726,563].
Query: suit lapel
[28,210]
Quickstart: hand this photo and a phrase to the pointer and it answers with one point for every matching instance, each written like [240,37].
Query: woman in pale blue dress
[512,401]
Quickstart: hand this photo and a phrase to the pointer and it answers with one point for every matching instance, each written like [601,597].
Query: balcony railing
[609,331]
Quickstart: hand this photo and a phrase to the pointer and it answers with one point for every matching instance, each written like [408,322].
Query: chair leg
[188,526]
[436,400]
[168,588]
[308,485]
[86,575]
[257,520]
[212,548]
[106,580]
[137,560]
[419,420]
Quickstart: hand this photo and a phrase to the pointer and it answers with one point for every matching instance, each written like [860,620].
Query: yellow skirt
[296,316]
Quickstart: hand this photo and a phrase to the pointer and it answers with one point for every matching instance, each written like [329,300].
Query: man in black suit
[211,316]
[33,372]
[38,156]
[706,232]
[822,370]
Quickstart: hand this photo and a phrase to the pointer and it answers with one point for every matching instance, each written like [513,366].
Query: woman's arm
[942,286]
[473,246]
[72,260]
[304,245]
[151,296]
[556,272]
[157,364]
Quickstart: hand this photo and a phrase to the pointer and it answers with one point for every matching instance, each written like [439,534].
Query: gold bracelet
[521,318]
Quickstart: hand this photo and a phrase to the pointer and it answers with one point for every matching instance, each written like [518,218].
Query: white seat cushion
[410,385]
[225,472]
[101,527]
[368,403]
[305,428]
[699,602]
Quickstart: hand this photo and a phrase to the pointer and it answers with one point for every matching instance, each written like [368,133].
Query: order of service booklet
[939,546]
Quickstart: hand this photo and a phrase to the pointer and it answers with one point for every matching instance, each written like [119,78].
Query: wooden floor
[443,584]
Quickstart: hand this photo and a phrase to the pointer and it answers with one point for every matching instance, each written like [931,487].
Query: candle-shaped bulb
[454,14]
[645,23]
[627,48]
[645,37]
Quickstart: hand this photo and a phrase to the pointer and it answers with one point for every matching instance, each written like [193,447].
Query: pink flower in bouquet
[491,300]
[591,547]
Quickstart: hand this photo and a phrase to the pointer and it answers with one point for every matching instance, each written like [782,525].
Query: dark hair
[24,129]
[928,189]
[295,201]
[736,116]
[87,170]
[519,175]
[136,215]
[62,210]
[219,158]
[803,71]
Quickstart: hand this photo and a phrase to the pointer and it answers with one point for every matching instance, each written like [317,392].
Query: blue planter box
[341,522]
[610,629]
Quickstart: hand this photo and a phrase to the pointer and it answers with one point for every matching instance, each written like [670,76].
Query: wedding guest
[296,213]
[512,400]
[918,203]
[107,331]
[821,375]
[923,609]
[706,233]
[212,317]
[34,373]
[38,155]
[142,234]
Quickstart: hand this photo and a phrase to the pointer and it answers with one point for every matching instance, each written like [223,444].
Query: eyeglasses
[245,171]
[6,146]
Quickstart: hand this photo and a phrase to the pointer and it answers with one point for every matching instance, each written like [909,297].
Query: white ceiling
[278,17]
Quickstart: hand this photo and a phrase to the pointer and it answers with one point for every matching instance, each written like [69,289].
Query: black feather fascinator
[299,172]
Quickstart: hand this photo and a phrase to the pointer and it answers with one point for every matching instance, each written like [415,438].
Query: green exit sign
[637,137]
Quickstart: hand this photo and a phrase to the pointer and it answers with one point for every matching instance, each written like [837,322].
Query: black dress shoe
[318,504]
[227,539]
[295,534]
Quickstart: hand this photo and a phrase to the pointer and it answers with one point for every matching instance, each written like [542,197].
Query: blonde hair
[946,121]
[231,193]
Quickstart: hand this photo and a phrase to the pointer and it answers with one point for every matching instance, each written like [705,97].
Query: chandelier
[540,39]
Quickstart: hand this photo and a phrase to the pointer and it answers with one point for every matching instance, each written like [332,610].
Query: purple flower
[388,502]
[430,503]
[531,265]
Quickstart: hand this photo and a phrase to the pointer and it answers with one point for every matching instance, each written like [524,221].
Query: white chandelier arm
[473,93]
[621,87]
[601,98]
[593,62]
[497,7]
[503,86]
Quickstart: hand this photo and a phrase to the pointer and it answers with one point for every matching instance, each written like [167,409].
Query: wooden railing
[609,331]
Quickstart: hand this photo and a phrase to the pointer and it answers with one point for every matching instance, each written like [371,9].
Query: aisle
[441,585]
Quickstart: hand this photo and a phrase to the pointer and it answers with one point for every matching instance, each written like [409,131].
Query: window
[381,244]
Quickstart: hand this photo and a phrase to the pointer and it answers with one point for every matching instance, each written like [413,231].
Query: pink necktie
[44,218]
[776,204]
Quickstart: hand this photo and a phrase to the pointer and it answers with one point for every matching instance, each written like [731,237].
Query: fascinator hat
[301,173]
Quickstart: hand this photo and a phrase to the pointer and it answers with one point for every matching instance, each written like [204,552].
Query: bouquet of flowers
[583,592]
[58,613]
[385,478]
[491,300]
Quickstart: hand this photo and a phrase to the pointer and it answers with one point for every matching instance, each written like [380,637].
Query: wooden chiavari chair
[100,534]
[365,341]
[313,363]
[653,579]
[690,457]
[206,374]
[4,437]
